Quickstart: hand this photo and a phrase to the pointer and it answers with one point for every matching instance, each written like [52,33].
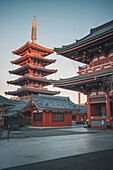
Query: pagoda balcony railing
[37,64]
[41,88]
[36,75]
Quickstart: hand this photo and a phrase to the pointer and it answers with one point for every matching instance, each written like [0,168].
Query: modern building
[95,79]
[32,62]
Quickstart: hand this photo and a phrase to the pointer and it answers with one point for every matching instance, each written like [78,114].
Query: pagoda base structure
[95,78]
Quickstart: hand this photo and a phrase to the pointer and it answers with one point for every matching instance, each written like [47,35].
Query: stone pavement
[101,160]
[78,141]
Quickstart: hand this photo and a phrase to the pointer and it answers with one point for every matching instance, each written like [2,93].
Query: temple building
[41,111]
[32,63]
[95,78]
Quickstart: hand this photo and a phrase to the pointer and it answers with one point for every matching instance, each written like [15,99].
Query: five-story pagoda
[32,69]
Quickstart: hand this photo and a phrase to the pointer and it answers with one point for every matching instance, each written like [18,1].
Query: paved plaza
[33,145]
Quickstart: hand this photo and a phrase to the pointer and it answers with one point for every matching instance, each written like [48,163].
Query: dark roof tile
[94,33]
[53,102]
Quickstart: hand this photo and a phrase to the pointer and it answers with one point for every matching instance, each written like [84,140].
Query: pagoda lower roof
[28,55]
[98,34]
[34,46]
[31,90]
[71,83]
[31,78]
[32,67]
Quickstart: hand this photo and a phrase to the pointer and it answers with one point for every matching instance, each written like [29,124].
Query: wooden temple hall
[95,78]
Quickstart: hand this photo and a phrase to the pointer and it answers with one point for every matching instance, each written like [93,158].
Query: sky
[59,22]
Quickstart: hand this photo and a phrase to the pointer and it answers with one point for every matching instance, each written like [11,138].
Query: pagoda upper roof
[28,55]
[70,83]
[32,67]
[27,77]
[31,90]
[28,45]
[96,34]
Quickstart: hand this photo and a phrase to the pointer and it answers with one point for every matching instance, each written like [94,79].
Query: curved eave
[34,46]
[25,78]
[56,109]
[76,85]
[30,90]
[28,55]
[82,79]
[28,66]
[80,44]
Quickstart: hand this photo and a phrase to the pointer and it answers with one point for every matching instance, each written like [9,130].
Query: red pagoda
[95,79]
[32,69]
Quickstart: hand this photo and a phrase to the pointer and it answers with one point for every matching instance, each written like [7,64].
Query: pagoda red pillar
[108,111]
[88,110]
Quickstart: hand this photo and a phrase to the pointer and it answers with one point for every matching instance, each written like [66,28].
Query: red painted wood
[89,110]
[98,127]
[108,112]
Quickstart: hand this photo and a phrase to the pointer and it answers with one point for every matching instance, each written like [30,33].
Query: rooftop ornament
[33,36]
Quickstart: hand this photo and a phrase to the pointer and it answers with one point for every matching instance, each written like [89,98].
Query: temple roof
[20,106]
[28,45]
[31,78]
[82,79]
[44,102]
[31,90]
[95,33]
[6,101]
[32,67]
[53,102]
[28,55]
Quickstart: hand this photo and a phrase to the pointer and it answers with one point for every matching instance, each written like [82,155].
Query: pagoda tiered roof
[26,57]
[31,78]
[31,90]
[28,46]
[32,67]
[102,35]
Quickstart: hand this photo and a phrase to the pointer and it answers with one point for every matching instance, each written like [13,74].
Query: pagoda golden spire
[33,36]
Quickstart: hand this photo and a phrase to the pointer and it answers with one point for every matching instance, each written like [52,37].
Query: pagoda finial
[33,36]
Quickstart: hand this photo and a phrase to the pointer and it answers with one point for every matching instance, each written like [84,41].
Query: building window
[58,117]
[74,117]
[81,118]
[37,117]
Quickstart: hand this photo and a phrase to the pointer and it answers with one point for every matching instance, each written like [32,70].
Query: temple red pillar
[31,117]
[44,119]
[108,111]
[88,110]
